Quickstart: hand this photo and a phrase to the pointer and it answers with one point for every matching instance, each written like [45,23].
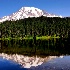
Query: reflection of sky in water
[9,65]
[56,64]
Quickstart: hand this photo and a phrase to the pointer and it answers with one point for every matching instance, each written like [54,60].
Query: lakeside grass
[28,38]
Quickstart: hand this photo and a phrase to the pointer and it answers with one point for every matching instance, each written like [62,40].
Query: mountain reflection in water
[27,61]
[60,63]
[55,64]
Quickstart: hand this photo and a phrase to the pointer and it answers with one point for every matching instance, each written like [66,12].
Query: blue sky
[58,7]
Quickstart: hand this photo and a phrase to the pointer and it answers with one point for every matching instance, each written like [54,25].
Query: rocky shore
[27,61]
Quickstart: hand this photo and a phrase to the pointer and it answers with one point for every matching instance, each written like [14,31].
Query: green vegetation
[47,37]
[39,28]
[41,36]
[37,38]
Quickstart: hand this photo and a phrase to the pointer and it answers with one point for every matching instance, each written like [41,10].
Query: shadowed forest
[36,36]
[40,26]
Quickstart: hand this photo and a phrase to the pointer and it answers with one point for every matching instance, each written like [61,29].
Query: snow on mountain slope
[26,12]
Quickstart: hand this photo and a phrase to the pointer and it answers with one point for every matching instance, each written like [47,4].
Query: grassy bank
[37,38]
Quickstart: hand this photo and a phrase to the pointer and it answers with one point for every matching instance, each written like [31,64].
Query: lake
[55,64]
[38,47]
[41,48]
[9,65]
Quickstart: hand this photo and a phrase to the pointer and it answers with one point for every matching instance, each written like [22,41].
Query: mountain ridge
[26,12]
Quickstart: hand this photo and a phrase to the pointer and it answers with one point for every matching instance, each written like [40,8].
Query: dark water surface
[39,47]
[9,65]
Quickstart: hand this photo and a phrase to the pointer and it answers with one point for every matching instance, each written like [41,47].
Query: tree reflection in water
[40,47]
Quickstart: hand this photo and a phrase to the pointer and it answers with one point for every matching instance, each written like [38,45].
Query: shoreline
[28,38]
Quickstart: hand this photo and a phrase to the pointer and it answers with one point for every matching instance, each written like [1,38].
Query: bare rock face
[26,12]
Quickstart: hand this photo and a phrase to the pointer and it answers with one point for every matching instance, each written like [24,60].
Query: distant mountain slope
[26,12]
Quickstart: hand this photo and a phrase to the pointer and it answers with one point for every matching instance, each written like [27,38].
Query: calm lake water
[40,48]
[9,65]
[55,64]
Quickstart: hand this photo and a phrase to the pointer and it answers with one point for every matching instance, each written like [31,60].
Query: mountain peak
[26,12]
[29,8]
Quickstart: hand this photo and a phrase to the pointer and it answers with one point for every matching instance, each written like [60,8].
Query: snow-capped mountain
[26,12]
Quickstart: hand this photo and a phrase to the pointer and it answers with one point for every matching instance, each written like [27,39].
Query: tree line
[40,26]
